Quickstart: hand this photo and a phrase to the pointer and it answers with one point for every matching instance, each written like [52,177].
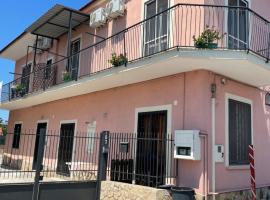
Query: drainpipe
[213,130]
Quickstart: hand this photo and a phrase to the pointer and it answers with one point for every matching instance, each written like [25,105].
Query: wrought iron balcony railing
[240,28]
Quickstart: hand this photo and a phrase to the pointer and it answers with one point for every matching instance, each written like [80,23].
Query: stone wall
[263,193]
[122,191]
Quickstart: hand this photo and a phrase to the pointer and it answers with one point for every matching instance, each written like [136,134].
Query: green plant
[208,38]
[118,60]
[20,87]
[66,76]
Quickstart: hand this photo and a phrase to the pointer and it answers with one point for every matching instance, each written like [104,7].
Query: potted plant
[20,90]
[208,39]
[66,76]
[118,60]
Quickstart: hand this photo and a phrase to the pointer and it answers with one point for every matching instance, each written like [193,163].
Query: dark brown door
[151,148]
[39,127]
[65,149]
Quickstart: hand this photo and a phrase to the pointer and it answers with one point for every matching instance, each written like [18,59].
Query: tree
[3,126]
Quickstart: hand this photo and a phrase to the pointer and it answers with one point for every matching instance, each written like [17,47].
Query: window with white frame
[156,28]
[239,131]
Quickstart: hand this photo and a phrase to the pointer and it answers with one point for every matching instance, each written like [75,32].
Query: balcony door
[238,23]
[25,81]
[75,59]
[156,28]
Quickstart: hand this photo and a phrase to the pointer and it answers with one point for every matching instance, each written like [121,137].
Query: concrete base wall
[122,191]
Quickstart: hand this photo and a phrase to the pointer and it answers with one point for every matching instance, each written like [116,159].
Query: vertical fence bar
[39,167]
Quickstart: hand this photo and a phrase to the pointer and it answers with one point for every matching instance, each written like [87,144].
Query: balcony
[159,46]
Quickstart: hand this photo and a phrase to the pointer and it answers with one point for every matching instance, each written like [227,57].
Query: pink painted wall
[193,111]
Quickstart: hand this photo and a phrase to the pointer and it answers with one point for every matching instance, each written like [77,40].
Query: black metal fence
[67,156]
[173,28]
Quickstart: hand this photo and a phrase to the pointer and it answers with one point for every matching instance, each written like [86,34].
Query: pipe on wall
[213,130]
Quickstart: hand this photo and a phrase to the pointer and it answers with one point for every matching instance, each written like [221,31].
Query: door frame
[41,122]
[74,121]
[78,37]
[226,23]
[169,34]
[167,108]
[30,77]
[47,122]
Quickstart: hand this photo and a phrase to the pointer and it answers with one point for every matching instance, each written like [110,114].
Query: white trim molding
[167,108]
[240,99]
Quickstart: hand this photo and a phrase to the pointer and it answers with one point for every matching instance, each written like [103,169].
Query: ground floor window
[239,131]
[17,136]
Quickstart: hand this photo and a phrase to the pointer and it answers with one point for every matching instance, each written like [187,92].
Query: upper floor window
[267,99]
[156,28]
[25,81]
[239,118]
[48,69]
[238,24]
[17,136]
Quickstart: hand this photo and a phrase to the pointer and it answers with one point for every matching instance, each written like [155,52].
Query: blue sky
[15,17]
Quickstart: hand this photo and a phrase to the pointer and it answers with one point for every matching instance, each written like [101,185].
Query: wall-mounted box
[97,18]
[115,8]
[187,144]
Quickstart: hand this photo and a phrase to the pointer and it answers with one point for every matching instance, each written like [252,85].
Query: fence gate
[86,169]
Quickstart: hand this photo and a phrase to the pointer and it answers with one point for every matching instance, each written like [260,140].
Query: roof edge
[12,42]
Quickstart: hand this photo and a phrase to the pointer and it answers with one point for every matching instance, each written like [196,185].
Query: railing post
[125,52]
[268,49]
[103,158]
[39,166]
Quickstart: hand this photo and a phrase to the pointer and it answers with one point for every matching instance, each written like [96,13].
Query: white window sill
[238,167]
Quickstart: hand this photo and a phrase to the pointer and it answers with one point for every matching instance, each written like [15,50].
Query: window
[91,130]
[239,118]
[267,99]
[17,136]
[48,69]
[156,28]
[238,24]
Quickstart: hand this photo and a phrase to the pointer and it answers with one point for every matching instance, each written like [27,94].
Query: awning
[55,22]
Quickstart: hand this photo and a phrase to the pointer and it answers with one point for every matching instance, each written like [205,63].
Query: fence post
[103,157]
[39,166]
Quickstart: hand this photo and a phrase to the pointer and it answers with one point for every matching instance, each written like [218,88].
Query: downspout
[213,130]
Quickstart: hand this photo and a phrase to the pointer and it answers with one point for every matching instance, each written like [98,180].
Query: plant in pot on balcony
[208,39]
[66,76]
[118,60]
[20,90]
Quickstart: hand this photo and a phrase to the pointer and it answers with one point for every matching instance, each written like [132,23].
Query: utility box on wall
[187,145]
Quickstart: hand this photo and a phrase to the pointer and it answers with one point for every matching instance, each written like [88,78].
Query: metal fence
[173,28]
[67,156]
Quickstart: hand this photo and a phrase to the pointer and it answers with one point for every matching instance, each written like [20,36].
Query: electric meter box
[187,145]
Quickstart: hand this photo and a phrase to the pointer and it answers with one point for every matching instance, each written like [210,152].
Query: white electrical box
[187,144]
[115,8]
[97,18]
[219,153]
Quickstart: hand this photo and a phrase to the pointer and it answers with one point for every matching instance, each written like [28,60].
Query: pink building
[162,81]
